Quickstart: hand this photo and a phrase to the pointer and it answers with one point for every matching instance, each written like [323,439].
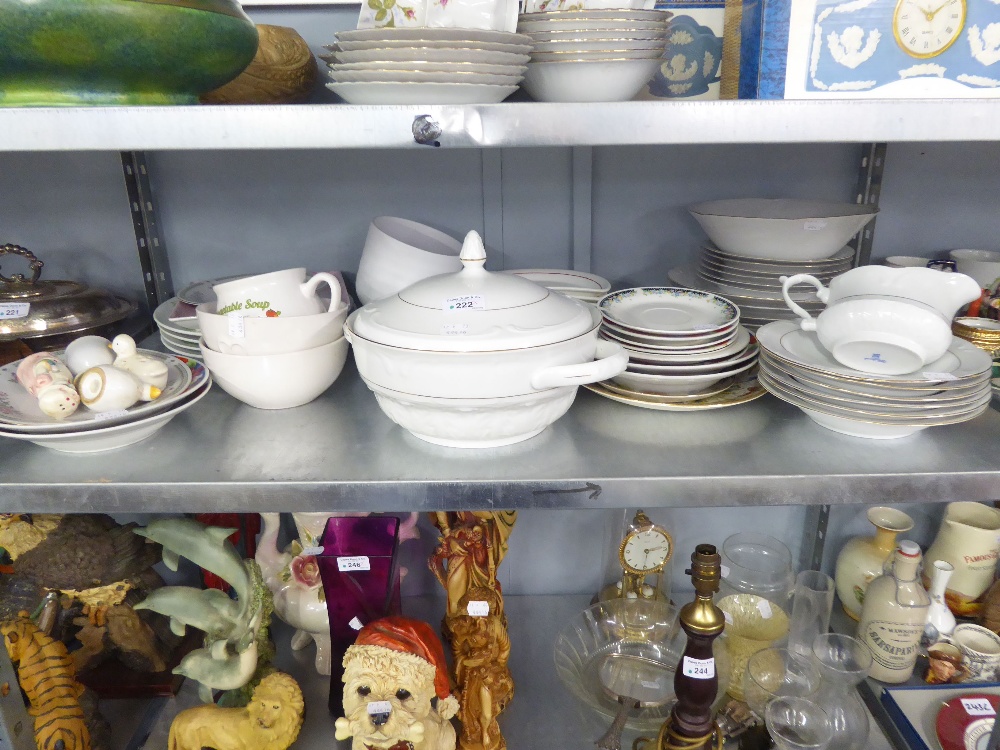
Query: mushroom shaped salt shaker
[49,380]
[144,367]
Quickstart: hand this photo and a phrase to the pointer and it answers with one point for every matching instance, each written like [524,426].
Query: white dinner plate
[615,27]
[431,55]
[747,355]
[565,281]
[630,14]
[184,351]
[704,393]
[467,45]
[598,45]
[19,409]
[182,325]
[737,345]
[785,340]
[687,276]
[706,341]
[776,268]
[676,385]
[118,436]
[657,309]
[426,66]
[668,349]
[472,36]
[845,253]
[744,389]
[652,38]
[420,93]
[420,76]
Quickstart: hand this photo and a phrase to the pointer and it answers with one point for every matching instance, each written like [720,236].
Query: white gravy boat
[882,320]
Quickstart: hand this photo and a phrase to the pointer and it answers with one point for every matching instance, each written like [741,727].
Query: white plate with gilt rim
[428,56]
[770,268]
[665,310]
[565,281]
[632,14]
[718,387]
[457,44]
[687,276]
[743,338]
[746,355]
[423,66]
[478,36]
[19,409]
[845,253]
[182,325]
[744,389]
[785,340]
[885,408]
[421,76]
[680,345]
[116,436]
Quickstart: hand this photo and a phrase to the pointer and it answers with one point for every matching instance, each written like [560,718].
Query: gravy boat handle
[808,322]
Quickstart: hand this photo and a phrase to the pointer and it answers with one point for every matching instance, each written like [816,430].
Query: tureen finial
[472,248]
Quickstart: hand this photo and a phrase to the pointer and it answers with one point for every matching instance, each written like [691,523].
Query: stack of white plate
[587,287]
[179,330]
[796,368]
[87,431]
[592,55]
[753,283]
[683,344]
[426,66]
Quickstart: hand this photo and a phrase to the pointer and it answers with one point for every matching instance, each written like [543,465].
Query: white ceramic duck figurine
[147,369]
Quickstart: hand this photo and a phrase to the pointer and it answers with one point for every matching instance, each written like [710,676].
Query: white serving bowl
[399,252]
[270,335]
[982,265]
[277,381]
[781,228]
[588,81]
[474,422]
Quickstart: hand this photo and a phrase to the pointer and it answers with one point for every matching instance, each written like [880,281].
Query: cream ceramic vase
[969,539]
[861,559]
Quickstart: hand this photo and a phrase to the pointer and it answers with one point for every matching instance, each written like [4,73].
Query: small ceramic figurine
[228,659]
[86,352]
[146,368]
[481,648]
[46,378]
[46,675]
[106,388]
[271,721]
[396,689]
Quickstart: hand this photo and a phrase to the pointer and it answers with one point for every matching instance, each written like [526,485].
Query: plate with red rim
[966,721]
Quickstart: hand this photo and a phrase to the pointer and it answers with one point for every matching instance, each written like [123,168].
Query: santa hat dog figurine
[397,695]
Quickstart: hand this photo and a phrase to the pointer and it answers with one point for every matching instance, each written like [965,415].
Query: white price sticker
[379,707]
[933,376]
[355,624]
[236,328]
[312,551]
[724,569]
[105,415]
[978,707]
[14,310]
[700,669]
[360,562]
[478,609]
[764,607]
[465,302]
[454,329]
[814,225]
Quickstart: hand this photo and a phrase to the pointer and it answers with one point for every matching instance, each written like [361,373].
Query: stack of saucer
[796,368]
[86,431]
[683,344]
[426,65]
[178,326]
[586,287]
[754,283]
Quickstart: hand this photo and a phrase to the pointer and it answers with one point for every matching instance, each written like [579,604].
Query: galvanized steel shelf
[506,124]
[341,453]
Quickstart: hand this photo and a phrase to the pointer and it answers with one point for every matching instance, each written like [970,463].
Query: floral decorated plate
[658,309]
[744,388]
[19,412]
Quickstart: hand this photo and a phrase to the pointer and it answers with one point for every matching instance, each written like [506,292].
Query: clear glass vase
[843,662]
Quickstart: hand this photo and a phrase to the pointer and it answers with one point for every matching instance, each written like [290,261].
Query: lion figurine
[271,721]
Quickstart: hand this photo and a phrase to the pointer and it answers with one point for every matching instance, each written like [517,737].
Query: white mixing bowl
[277,381]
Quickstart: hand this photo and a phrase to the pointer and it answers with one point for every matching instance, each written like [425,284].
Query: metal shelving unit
[342,453]
[324,126]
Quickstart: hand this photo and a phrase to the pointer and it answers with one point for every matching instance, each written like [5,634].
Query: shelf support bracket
[868,192]
[153,260]
[814,539]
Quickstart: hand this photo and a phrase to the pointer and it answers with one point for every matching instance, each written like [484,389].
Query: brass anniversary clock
[643,553]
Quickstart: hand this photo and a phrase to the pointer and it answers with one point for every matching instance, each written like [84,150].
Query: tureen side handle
[611,360]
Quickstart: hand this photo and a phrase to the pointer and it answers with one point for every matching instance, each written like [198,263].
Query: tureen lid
[472,310]
[33,308]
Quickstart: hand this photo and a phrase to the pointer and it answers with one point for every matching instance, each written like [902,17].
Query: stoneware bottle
[940,620]
[969,538]
[862,558]
[893,616]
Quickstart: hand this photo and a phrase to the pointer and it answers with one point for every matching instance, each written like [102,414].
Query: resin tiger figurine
[46,674]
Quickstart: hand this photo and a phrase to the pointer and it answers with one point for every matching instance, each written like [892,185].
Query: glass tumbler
[778,673]
[798,724]
[843,662]
[812,603]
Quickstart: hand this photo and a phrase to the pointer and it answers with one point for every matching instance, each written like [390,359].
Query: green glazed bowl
[95,52]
